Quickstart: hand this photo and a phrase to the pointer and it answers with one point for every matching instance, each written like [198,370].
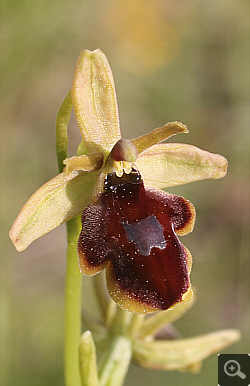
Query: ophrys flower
[128,226]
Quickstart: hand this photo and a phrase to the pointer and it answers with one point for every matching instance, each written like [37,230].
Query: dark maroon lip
[132,230]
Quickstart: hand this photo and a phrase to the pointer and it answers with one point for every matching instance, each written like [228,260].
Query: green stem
[72,307]
[73,276]
[73,284]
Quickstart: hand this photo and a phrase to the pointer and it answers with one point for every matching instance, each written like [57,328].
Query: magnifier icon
[232,368]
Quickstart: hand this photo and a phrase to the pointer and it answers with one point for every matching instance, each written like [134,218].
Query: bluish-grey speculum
[146,234]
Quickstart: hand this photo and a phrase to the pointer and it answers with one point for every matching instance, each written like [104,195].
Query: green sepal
[57,201]
[172,164]
[180,354]
[94,102]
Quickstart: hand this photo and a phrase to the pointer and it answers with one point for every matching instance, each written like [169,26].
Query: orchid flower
[130,225]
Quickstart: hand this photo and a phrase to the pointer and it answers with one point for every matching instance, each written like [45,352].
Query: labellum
[132,231]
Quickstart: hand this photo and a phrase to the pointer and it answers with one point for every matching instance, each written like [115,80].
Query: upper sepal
[94,102]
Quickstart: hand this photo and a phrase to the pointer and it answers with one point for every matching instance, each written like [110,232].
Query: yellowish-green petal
[174,164]
[88,163]
[94,102]
[181,354]
[57,201]
[158,135]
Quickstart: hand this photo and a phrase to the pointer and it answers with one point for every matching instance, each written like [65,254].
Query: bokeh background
[172,60]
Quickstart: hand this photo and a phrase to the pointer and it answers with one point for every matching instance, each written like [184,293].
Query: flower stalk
[73,282]
[73,301]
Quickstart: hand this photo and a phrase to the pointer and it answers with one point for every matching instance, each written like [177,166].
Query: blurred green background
[172,60]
